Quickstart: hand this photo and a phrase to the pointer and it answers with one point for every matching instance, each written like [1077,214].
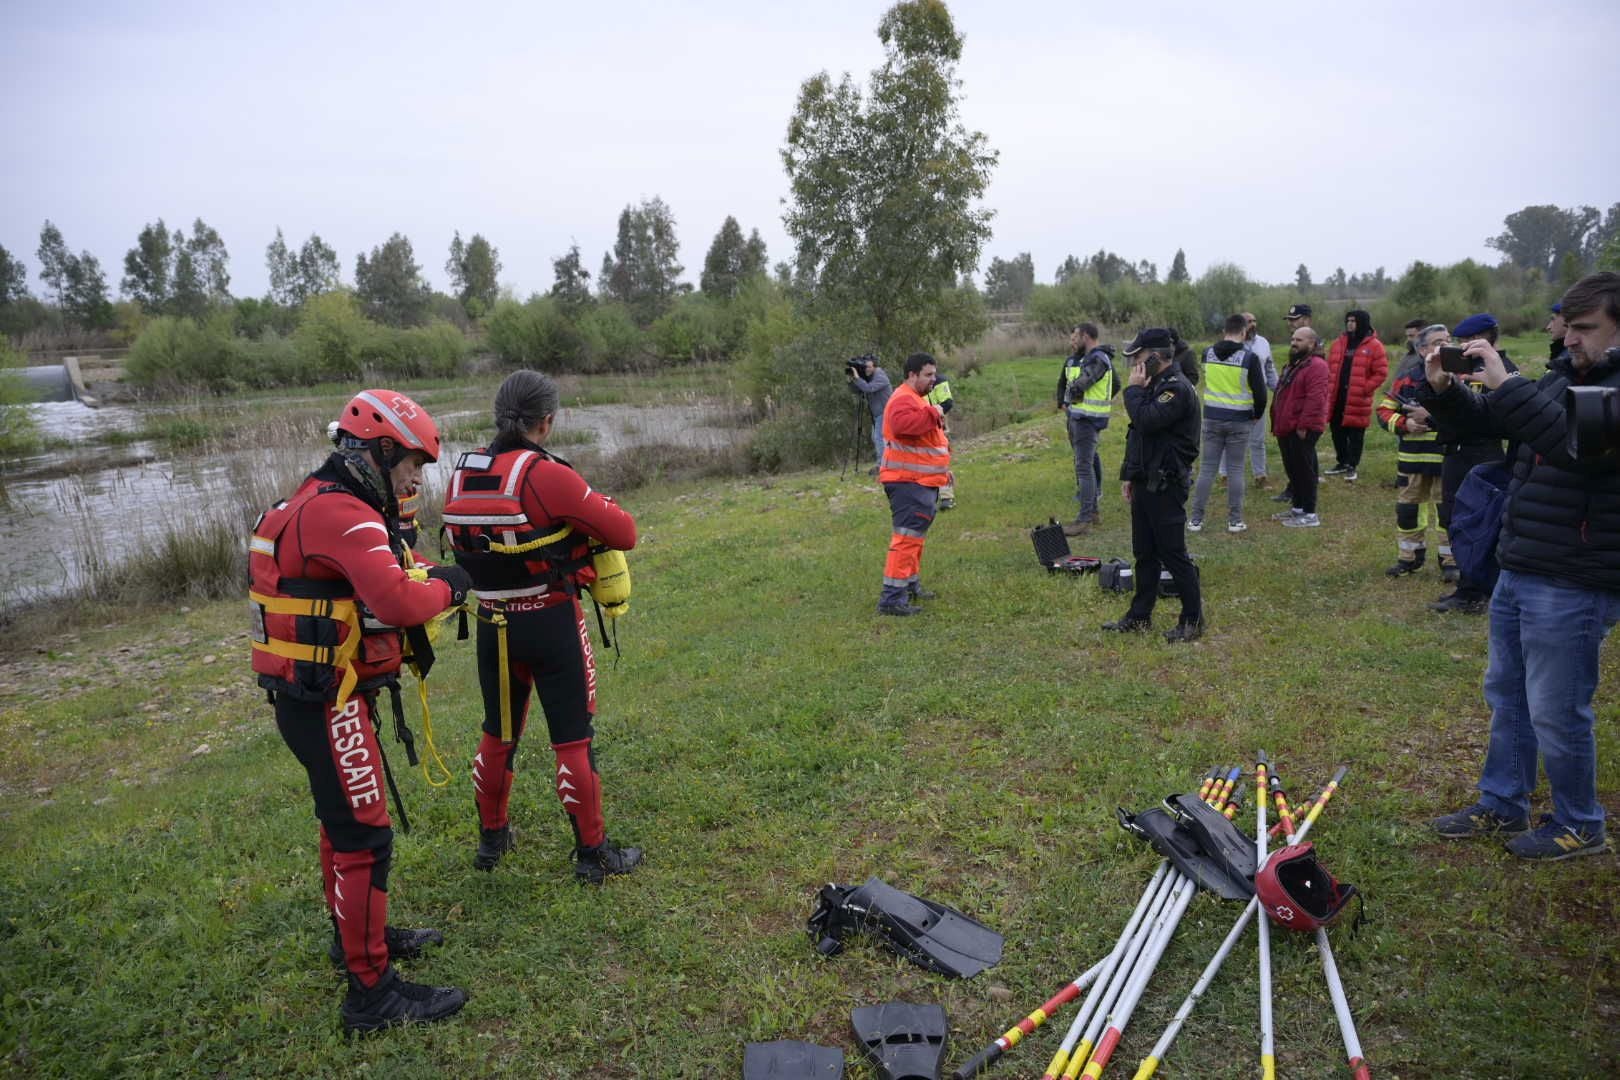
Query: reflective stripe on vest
[1226,382]
[1098,400]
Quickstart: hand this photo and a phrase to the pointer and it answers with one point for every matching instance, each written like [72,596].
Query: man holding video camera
[872,383]
[1559,591]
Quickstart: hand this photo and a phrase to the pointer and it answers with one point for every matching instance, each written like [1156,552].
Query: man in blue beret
[1160,448]
[1461,452]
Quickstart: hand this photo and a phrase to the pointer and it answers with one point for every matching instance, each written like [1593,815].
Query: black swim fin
[785,1059]
[903,1041]
[928,934]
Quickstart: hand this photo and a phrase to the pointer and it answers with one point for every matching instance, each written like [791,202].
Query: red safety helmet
[378,414]
[1297,891]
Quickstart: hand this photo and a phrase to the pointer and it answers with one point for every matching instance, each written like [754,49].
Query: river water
[64,512]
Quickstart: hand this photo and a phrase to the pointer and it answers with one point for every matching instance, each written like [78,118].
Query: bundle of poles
[1118,982]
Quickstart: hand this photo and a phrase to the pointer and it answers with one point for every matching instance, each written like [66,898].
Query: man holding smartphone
[1462,450]
[1559,593]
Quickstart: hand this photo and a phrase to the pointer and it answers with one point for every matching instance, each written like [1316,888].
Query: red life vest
[493,538]
[312,638]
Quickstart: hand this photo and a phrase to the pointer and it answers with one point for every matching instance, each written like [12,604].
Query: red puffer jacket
[1368,368]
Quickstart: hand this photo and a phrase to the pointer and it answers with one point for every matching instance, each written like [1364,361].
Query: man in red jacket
[1357,365]
[329,594]
[1298,415]
[916,464]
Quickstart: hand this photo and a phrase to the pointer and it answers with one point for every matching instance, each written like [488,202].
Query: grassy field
[765,732]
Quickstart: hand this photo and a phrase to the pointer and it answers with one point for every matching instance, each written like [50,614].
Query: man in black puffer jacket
[1559,591]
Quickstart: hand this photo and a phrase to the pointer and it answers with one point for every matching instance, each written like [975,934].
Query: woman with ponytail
[523,522]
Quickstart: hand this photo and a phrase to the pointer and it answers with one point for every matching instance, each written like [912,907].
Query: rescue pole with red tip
[1015,1034]
[1268,1054]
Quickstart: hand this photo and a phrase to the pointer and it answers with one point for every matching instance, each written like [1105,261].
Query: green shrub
[178,354]
[611,338]
[535,334]
[805,398]
[332,336]
[272,360]
[694,330]
[19,430]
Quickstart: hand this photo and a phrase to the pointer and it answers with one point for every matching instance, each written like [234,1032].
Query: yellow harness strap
[523,549]
[338,656]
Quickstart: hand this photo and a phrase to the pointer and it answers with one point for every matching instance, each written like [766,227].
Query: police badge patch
[1168,395]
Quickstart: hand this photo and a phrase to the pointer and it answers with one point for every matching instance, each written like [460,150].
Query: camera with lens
[857,364]
[1592,416]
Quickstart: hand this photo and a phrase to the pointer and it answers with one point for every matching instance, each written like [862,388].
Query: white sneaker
[1236,527]
[1195,525]
[1303,521]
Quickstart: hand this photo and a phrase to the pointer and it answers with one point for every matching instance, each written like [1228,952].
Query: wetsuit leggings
[338,748]
[548,653]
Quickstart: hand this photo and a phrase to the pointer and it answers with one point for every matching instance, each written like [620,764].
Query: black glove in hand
[454,576]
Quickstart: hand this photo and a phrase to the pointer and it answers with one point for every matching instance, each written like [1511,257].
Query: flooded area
[91,503]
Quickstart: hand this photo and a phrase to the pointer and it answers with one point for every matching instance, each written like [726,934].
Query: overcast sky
[1266,134]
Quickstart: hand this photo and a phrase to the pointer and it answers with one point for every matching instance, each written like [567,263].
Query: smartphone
[1453,360]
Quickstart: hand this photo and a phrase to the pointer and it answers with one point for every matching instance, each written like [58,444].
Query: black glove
[454,576]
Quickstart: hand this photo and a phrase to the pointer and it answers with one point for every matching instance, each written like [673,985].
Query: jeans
[1228,439]
[1545,638]
[1083,436]
[877,440]
[1257,451]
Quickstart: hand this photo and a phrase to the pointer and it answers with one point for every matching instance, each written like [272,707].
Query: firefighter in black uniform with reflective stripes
[1160,448]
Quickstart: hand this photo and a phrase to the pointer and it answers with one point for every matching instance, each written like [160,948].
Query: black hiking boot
[492,844]
[593,865]
[402,944]
[1406,566]
[920,593]
[395,1001]
[1128,625]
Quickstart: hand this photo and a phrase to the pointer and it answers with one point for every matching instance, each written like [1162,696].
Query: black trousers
[1299,462]
[1159,541]
[1454,468]
[1347,443]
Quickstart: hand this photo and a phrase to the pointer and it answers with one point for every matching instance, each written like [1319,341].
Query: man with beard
[1298,415]
[1559,591]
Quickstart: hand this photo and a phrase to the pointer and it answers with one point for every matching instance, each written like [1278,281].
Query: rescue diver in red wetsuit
[523,523]
[329,594]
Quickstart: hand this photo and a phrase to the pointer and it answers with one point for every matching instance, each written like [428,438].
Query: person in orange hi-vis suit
[916,464]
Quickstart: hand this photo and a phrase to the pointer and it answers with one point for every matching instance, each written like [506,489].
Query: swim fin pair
[929,934]
[901,1040]
[785,1059]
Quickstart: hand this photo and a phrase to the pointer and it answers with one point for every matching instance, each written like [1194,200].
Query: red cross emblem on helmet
[376,414]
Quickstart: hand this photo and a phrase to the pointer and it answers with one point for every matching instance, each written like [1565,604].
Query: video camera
[857,364]
[1592,416]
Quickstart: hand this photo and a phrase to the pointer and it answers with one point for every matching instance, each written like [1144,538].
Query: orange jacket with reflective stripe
[915,449]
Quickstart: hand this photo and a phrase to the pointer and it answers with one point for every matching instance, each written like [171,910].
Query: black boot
[402,944]
[492,844]
[593,864]
[1408,566]
[395,1001]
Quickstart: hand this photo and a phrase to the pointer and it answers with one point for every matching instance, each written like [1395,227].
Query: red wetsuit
[325,543]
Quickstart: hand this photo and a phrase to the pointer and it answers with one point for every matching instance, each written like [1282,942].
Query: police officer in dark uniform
[1160,448]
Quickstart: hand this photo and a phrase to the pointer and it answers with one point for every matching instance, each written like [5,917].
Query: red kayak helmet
[1297,892]
[377,414]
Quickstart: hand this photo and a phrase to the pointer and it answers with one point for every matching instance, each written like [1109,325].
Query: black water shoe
[492,844]
[593,865]
[394,1001]
[402,944]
